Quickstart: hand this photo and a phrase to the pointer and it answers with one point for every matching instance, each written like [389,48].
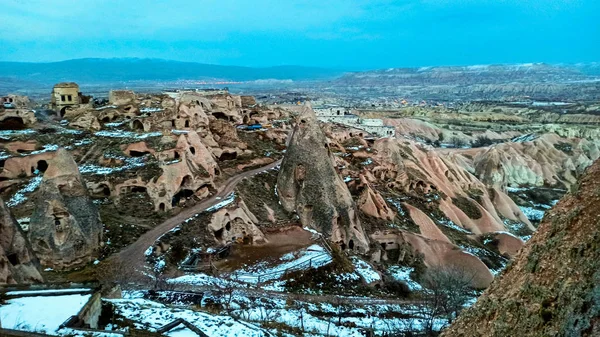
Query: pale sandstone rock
[235,223]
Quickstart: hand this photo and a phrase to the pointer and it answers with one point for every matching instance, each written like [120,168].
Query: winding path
[134,254]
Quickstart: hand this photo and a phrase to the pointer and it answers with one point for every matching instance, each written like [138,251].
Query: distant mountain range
[473,75]
[440,82]
[96,70]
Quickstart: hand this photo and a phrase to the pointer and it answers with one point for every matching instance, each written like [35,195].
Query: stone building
[341,115]
[331,110]
[65,95]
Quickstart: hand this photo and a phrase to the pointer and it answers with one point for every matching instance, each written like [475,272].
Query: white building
[341,115]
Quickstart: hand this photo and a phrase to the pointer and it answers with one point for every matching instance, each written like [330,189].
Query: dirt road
[134,256]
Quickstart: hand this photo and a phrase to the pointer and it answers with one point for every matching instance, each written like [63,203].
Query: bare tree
[298,302]
[115,271]
[448,289]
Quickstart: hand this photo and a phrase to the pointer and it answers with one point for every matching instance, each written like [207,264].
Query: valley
[256,212]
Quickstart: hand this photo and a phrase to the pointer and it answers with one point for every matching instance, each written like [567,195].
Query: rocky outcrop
[65,229]
[18,263]
[435,253]
[414,169]
[16,119]
[235,224]
[545,160]
[309,185]
[371,203]
[551,288]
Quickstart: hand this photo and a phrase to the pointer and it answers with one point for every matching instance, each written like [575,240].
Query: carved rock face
[309,184]
[236,223]
[18,264]
[65,229]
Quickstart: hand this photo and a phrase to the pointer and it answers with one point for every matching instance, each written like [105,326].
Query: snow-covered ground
[126,134]
[532,213]
[402,273]
[248,313]
[312,257]
[228,200]
[365,270]
[129,163]
[152,315]
[41,292]
[8,134]
[525,138]
[20,197]
[40,313]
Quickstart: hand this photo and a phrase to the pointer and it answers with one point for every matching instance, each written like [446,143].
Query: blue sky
[345,34]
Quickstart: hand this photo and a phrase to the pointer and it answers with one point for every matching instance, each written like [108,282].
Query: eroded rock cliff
[552,287]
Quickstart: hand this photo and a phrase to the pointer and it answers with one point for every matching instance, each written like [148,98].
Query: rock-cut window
[62,98]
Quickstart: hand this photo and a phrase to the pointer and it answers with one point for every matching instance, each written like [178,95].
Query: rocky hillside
[472,82]
[552,286]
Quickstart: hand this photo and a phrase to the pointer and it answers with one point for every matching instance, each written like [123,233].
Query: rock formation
[235,223]
[435,253]
[371,203]
[65,229]
[309,184]
[18,263]
[541,161]
[552,287]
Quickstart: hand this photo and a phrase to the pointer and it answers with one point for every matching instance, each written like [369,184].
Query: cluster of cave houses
[65,230]
[187,134]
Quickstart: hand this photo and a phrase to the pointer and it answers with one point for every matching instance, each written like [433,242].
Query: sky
[341,34]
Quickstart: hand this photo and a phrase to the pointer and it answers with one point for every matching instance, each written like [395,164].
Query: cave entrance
[186,181]
[12,123]
[161,206]
[137,125]
[218,234]
[42,165]
[13,259]
[220,115]
[62,112]
[228,156]
[183,194]
[134,153]
[105,190]
[351,244]
[138,189]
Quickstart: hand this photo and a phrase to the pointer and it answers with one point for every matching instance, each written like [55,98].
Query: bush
[482,141]
[457,142]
